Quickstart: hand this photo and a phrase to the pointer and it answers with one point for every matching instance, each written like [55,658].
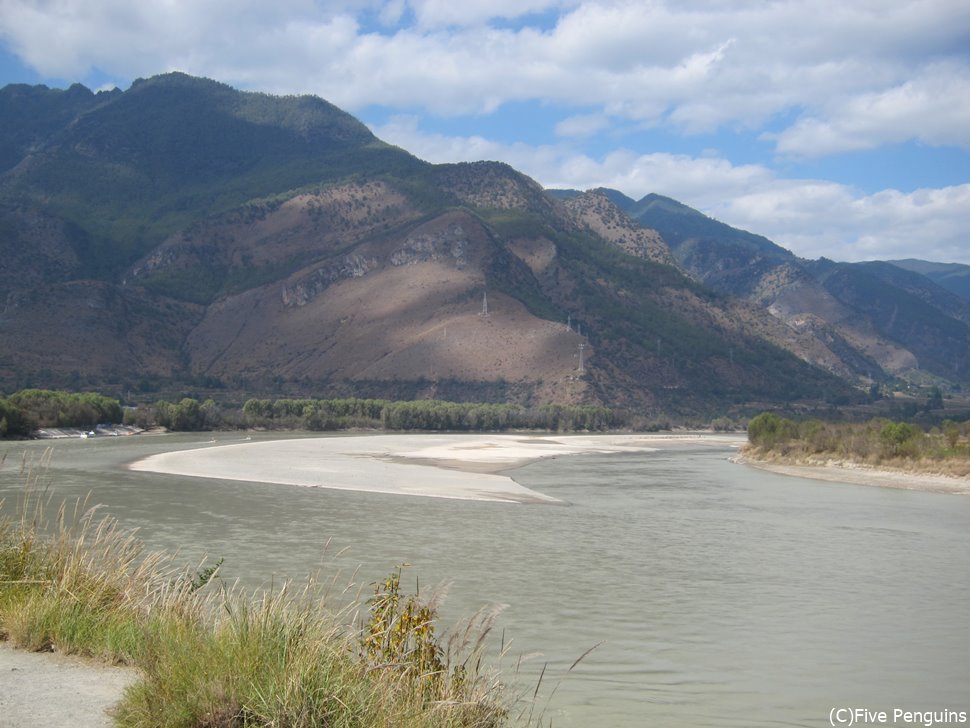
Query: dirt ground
[45,690]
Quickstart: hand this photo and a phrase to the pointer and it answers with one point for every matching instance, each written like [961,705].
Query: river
[714,594]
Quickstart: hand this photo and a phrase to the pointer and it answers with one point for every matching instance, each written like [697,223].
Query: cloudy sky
[835,128]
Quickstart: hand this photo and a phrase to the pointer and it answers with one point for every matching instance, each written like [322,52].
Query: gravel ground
[44,690]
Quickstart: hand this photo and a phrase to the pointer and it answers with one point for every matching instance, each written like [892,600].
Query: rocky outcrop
[306,289]
[593,211]
[448,243]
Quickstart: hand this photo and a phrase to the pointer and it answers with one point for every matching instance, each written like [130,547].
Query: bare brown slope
[403,308]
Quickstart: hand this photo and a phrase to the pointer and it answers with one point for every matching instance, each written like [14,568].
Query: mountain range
[182,235]
[903,319]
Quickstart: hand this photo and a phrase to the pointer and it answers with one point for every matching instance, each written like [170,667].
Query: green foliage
[401,633]
[46,408]
[314,414]
[204,575]
[900,438]
[426,415]
[12,420]
[187,415]
[768,430]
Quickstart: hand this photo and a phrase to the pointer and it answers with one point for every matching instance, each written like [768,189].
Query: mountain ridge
[880,321]
[954,277]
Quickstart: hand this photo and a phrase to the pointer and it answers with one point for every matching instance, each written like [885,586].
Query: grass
[210,655]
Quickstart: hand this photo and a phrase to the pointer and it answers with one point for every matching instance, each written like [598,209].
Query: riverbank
[458,466]
[843,471]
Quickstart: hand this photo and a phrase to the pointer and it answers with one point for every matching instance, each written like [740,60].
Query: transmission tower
[484,313]
[582,369]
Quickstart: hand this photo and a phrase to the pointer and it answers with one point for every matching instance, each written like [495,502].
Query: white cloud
[931,108]
[813,218]
[582,126]
[392,12]
[817,218]
[693,66]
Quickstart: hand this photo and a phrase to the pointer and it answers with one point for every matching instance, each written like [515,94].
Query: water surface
[719,595]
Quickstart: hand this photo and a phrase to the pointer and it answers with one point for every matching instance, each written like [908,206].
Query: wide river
[718,594]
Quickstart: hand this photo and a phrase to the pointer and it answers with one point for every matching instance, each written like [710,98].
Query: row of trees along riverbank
[350,413]
[32,409]
[434,415]
[878,442]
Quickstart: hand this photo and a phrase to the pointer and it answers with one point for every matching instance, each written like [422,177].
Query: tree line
[431,415]
[31,409]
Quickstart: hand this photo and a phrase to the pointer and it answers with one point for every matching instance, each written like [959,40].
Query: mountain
[954,277]
[122,171]
[183,235]
[868,320]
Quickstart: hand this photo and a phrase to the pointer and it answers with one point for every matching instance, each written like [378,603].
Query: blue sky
[835,128]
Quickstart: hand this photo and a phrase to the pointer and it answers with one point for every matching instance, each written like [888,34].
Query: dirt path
[43,690]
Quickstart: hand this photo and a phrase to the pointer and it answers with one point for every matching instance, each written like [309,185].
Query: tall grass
[212,655]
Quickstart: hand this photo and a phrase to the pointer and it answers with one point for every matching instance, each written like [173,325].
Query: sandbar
[459,466]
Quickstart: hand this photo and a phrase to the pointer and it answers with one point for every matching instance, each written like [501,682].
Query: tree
[768,430]
[11,419]
[900,438]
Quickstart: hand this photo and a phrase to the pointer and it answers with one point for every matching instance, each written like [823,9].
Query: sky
[837,129]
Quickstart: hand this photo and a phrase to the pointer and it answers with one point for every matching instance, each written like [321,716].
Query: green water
[719,595]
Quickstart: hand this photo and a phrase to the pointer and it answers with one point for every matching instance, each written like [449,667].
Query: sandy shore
[865,475]
[465,467]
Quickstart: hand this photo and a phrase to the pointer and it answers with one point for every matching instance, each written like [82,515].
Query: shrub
[768,430]
[900,438]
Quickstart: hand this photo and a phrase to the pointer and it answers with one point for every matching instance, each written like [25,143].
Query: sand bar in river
[459,466]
